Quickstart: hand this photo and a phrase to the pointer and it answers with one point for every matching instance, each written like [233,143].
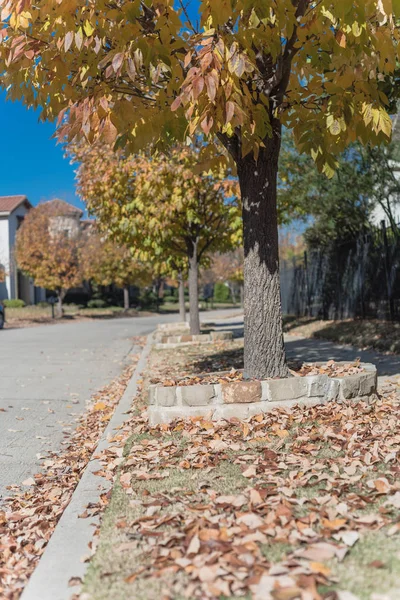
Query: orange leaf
[99,406]
[318,567]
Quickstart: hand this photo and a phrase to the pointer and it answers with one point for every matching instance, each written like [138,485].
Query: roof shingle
[9,203]
[64,208]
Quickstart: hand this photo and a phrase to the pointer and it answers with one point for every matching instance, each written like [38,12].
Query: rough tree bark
[126,298]
[61,296]
[182,308]
[264,353]
[194,289]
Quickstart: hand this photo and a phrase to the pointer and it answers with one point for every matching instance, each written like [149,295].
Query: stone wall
[243,399]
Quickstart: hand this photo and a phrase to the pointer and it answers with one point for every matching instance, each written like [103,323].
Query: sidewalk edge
[61,559]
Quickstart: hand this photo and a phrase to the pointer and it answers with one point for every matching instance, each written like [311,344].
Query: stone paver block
[333,390]
[221,335]
[197,395]
[186,338]
[288,389]
[166,396]
[350,386]
[368,383]
[317,385]
[241,392]
[152,394]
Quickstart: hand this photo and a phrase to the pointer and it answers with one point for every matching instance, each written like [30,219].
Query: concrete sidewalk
[48,373]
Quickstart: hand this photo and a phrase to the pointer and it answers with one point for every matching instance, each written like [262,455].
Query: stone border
[168,327]
[174,341]
[243,399]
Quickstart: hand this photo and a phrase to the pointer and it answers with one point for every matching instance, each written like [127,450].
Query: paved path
[314,350]
[48,373]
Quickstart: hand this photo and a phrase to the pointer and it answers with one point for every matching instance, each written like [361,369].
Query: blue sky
[31,162]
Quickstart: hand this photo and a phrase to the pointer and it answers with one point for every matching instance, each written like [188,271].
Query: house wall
[5,287]
[16,285]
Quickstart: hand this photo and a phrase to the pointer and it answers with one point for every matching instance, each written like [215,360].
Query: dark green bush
[14,303]
[169,299]
[97,303]
[221,293]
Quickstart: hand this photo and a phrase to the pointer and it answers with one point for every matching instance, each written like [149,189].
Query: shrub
[14,303]
[97,303]
[221,293]
[171,299]
[148,299]
[43,304]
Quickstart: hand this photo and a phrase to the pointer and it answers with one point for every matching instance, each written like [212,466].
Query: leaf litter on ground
[312,481]
[330,368]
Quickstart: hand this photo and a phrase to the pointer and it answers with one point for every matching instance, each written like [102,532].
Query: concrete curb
[69,543]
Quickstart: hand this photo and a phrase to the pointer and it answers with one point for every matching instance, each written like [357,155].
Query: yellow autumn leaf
[88,28]
[99,406]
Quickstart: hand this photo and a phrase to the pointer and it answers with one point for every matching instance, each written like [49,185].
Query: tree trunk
[126,298]
[182,308]
[232,291]
[61,296]
[241,295]
[264,353]
[194,290]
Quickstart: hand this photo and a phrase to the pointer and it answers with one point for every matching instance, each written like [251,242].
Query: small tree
[228,268]
[158,206]
[47,253]
[103,262]
[321,68]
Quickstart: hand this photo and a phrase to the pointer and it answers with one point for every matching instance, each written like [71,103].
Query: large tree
[160,208]
[48,252]
[320,67]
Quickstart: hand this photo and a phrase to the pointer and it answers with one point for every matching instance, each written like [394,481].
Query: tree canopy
[323,67]
[103,262]
[158,206]
[47,252]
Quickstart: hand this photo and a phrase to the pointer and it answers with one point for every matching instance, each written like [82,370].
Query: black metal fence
[360,278]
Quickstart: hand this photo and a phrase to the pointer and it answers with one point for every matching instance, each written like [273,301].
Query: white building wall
[5,287]
[14,286]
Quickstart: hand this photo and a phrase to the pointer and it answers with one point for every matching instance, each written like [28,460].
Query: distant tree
[161,208]
[228,268]
[103,262]
[47,252]
[339,207]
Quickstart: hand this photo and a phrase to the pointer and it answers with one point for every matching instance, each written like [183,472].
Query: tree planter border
[175,341]
[244,399]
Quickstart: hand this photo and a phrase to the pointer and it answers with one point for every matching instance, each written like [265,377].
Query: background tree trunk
[232,291]
[61,296]
[264,353]
[194,290]
[126,298]
[182,308]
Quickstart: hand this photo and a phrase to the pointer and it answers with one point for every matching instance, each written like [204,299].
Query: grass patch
[372,566]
